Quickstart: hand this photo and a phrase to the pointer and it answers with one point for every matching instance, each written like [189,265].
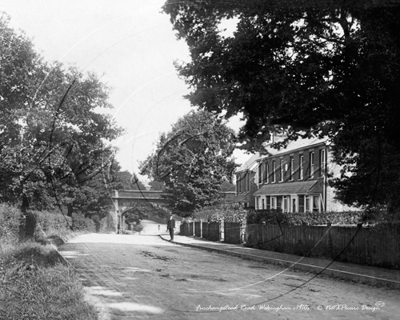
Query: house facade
[293,179]
[246,183]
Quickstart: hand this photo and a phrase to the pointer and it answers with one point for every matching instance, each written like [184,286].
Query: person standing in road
[171,226]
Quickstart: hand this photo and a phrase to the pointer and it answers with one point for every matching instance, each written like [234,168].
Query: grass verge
[36,284]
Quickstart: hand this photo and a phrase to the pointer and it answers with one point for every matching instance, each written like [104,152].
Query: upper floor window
[241,182]
[301,169]
[266,175]
[291,174]
[282,170]
[260,173]
[322,162]
[312,165]
[273,171]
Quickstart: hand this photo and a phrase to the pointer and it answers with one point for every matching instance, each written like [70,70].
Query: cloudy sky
[130,44]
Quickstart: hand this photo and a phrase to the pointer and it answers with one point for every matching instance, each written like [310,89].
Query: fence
[186,229]
[232,232]
[375,246]
[197,229]
[211,231]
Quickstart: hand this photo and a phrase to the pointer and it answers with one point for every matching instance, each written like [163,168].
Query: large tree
[192,160]
[54,144]
[325,68]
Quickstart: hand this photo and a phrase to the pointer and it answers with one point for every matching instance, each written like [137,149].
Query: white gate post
[222,230]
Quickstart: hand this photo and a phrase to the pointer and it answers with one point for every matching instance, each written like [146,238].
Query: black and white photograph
[199,159]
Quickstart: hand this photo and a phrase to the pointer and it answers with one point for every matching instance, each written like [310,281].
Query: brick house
[293,179]
[245,183]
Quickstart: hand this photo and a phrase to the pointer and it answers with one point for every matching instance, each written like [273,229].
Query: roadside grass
[35,281]
[36,284]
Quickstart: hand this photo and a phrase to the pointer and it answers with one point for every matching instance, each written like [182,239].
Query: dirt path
[142,276]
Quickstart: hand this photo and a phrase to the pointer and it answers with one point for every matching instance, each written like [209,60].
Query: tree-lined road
[142,276]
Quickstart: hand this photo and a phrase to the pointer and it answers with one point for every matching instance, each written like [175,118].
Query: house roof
[242,197]
[293,145]
[301,187]
[250,164]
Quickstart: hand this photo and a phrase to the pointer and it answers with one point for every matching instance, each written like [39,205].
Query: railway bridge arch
[143,202]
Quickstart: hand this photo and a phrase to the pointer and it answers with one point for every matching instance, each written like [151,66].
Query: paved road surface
[144,277]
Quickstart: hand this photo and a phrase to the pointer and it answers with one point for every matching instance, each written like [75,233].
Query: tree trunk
[70,210]
[28,222]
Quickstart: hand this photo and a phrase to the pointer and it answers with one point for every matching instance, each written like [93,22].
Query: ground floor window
[307,203]
[273,202]
[301,203]
[286,204]
[294,207]
[315,207]
[290,203]
[279,203]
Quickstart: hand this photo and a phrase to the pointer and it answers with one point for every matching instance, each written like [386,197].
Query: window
[291,168]
[282,170]
[266,176]
[273,202]
[312,165]
[246,177]
[273,171]
[286,204]
[322,162]
[260,173]
[301,203]
[301,172]
[315,204]
[294,207]
[268,202]
[279,203]
[307,203]
[263,204]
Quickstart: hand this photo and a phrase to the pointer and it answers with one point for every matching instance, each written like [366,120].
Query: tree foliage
[156,185]
[329,68]
[127,181]
[54,144]
[192,160]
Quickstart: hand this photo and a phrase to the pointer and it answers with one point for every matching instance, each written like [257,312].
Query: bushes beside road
[35,281]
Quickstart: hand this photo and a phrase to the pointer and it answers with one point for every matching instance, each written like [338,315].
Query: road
[145,277]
